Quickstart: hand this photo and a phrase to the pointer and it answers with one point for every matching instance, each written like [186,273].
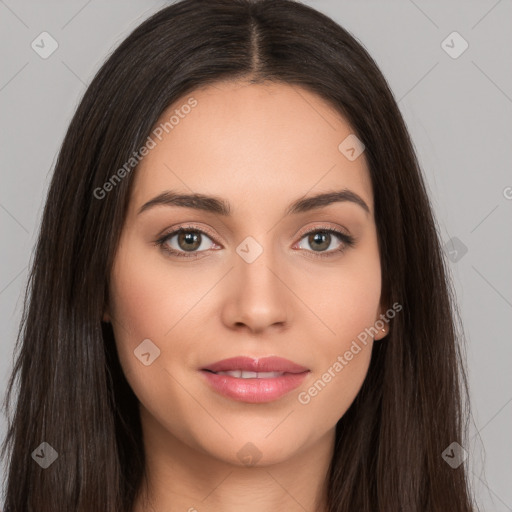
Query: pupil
[318,237]
[191,239]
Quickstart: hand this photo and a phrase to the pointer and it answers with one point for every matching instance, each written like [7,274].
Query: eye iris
[192,240]
[318,237]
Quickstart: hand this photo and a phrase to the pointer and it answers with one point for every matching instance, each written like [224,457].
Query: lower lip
[254,390]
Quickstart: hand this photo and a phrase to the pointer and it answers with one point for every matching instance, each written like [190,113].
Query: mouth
[259,365]
[242,374]
[254,380]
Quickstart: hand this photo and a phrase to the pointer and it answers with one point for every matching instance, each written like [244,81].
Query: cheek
[342,357]
[146,299]
[346,301]
[330,392]
[145,304]
[142,305]
[344,296]
[154,299]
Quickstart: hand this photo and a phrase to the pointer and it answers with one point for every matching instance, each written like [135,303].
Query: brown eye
[318,243]
[319,240]
[186,242]
[189,241]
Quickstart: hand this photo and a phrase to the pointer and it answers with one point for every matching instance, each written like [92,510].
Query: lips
[254,380]
[259,365]
[242,374]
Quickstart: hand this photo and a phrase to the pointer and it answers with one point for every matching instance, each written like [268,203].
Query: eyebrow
[220,206]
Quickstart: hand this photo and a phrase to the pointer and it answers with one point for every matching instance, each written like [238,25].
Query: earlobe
[382,325]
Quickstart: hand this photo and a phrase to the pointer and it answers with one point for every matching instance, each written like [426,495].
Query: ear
[382,323]
[106,315]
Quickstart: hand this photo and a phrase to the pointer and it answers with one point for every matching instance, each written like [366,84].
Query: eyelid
[188,227]
[305,231]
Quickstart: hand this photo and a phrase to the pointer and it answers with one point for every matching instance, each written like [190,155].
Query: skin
[260,147]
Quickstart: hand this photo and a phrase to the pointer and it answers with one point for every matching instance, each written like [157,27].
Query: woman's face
[259,281]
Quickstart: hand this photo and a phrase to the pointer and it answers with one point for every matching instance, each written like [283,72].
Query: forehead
[251,144]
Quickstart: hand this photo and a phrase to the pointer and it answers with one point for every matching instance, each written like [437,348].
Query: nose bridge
[258,295]
[259,263]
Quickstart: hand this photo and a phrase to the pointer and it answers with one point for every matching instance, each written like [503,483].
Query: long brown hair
[71,391]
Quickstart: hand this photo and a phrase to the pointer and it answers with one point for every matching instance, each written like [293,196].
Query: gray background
[458,113]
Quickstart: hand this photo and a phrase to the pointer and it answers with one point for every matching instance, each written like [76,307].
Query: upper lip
[261,364]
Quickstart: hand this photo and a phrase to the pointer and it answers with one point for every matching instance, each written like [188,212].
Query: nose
[256,295]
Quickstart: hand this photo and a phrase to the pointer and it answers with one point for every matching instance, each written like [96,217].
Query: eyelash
[347,241]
